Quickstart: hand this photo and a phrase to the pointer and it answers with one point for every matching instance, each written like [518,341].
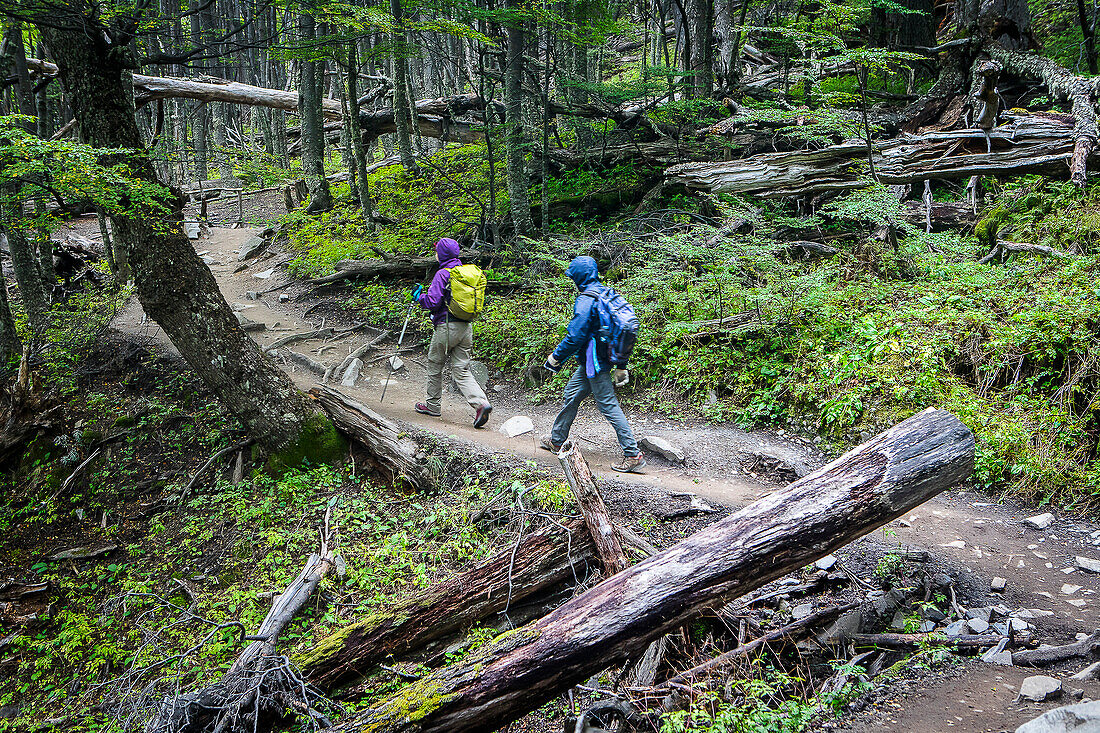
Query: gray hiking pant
[450,345]
[602,390]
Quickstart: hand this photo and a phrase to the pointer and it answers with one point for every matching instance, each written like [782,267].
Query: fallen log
[541,561]
[320,333]
[616,620]
[967,642]
[1027,144]
[392,451]
[609,546]
[1051,654]
[400,266]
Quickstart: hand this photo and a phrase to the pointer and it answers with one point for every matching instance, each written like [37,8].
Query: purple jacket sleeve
[432,299]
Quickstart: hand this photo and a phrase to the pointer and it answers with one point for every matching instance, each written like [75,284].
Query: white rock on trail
[1088,564]
[1040,688]
[1080,718]
[265,274]
[516,426]
[977,626]
[1089,673]
[957,544]
[1040,521]
[396,364]
[825,563]
[998,584]
[351,374]
[663,448]
[1068,589]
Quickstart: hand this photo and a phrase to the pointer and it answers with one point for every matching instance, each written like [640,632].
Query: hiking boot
[423,410]
[629,464]
[482,415]
[548,444]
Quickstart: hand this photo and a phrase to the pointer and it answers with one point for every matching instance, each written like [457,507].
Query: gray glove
[621,377]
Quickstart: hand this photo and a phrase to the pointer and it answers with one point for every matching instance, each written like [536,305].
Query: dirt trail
[968,533]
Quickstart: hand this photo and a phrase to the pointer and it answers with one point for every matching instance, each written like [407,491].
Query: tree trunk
[358,150]
[174,286]
[27,275]
[401,119]
[309,112]
[515,148]
[10,345]
[521,670]
[1089,34]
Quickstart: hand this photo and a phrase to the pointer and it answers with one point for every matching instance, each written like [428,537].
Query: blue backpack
[618,325]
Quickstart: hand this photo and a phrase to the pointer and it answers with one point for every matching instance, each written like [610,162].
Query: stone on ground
[1089,673]
[351,374]
[977,625]
[1080,718]
[1040,521]
[662,447]
[998,584]
[955,628]
[265,274]
[1088,564]
[1040,688]
[825,563]
[801,611]
[481,374]
[252,247]
[985,613]
[191,229]
[516,426]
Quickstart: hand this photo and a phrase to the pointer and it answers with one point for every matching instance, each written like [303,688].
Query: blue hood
[583,271]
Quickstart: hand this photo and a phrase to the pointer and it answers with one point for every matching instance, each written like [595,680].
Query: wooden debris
[608,543]
[1051,654]
[619,618]
[320,333]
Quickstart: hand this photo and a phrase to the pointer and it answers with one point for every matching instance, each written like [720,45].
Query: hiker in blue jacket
[595,374]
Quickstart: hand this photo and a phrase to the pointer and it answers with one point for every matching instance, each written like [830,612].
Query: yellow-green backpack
[467,292]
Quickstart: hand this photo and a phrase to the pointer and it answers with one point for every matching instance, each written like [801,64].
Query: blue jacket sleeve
[578,332]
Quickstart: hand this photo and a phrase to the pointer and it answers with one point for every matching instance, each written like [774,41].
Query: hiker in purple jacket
[451,341]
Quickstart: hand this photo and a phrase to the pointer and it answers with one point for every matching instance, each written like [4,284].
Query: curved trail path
[967,533]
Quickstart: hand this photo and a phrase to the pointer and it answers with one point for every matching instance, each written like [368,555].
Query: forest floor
[972,536]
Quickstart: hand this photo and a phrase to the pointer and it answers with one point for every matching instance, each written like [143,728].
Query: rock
[989,654]
[1068,589]
[997,584]
[931,613]
[849,623]
[518,425]
[956,544]
[1089,673]
[265,274]
[942,580]
[83,553]
[955,628]
[927,627]
[1001,610]
[208,260]
[1080,718]
[252,247]
[1001,629]
[240,268]
[977,626]
[192,229]
[712,397]
[284,297]
[1088,564]
[498,388]
[396,364]
[1002,658]
[351,374]
[1018,624]
[801,611]
[248,324]
[825,563]
[662,447]
[985,613]
[1040,521]
[898,622]
[1040,688]
[252,295]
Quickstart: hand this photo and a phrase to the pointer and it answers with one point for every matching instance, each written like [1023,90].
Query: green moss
[318,442]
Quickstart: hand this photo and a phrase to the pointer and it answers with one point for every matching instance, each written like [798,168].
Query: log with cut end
[412,267]
[541,561]
[1088,646]
[616,620]
[393,452]
[609,544]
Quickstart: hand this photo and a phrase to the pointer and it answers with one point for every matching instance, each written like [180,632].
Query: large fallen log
[400,266]
[541,561]
[1027,144]
[614,621]
[392,451]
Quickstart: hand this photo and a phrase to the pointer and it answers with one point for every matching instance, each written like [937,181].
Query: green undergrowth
[221,549]
[845,346]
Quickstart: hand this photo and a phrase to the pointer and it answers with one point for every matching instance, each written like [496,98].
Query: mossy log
[393,452]
[614,621]
[540,562]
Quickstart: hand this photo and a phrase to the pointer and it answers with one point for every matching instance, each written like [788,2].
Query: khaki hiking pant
[450,345]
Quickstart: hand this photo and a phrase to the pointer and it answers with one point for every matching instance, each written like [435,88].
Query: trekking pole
[399,340]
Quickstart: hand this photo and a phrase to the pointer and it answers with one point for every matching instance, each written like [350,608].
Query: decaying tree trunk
[394,454]
[541,561]
[398,266]
[1027,144]
[617,619]
[603,531]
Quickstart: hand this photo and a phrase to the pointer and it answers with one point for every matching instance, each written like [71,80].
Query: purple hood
[434,299]
[446,249]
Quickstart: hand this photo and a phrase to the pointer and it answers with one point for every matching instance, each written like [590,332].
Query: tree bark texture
[540,562]
[174,286]
[521,670]
[598,520]
[309,112]
[401,119]
[28,277]
[515,147]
